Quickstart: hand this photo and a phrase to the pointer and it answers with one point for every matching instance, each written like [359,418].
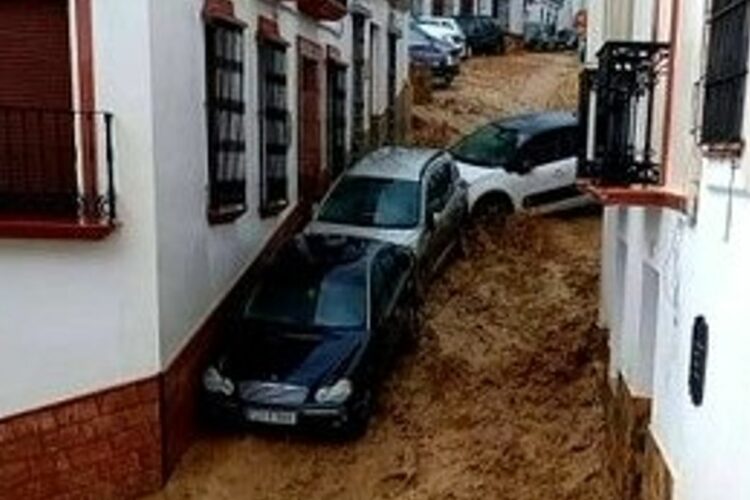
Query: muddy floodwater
[500,400]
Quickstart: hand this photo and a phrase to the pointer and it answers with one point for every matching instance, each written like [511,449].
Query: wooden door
[309,121]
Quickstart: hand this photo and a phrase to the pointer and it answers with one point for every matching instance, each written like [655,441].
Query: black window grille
[358,84]
[336,118]
[392,69]
[275,127]
[624,85]
[726,72]
[226,120]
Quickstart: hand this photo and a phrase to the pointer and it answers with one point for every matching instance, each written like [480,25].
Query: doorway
[310,184]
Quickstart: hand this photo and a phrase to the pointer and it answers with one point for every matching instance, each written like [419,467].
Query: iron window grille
[358,84]
[336,118]
[226,121]
[275,127]
[726,72]
[617,114]
[57,164]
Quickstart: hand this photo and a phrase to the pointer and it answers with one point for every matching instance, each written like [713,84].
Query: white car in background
[524,163]
[446,30]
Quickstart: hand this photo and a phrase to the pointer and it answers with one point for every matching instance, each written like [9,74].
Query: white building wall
[198,262]
[701,261]
[81,316]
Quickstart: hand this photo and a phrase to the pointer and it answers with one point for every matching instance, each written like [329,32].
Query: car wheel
[492,209]
[462,244]
[414,327]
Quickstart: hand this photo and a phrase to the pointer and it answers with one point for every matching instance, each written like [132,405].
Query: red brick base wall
[122,442]
[627,418]
[182,381]
[106,445]
[657,478]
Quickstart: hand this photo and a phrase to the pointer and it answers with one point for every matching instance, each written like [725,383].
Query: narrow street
[501,398]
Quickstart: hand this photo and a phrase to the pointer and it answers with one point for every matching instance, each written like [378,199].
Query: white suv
[445,29]
[522,163]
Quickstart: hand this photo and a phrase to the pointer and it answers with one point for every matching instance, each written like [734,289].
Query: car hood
[291,370]
[404,237]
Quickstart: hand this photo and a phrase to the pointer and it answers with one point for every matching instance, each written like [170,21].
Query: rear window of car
[373,202]
[298,294]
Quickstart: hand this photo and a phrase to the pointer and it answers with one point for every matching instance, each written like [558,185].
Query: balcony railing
[617,114]
[57,165]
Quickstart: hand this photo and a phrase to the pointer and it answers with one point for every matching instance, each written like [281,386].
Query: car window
[491,145]
[439,186]
[569,139]
[373,202]
[541,149]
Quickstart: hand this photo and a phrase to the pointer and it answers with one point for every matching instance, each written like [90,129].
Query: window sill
[636,196]
[273,209]
[226,215]
[55,229]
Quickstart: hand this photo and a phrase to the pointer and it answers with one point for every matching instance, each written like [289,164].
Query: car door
[440,206]
[390,273]
[548,168]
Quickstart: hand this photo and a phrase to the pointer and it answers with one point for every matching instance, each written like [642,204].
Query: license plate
[272,417]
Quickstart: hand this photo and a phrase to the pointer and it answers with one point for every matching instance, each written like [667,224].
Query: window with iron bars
[726,72]
[226,121]
[336,118]
[275,135]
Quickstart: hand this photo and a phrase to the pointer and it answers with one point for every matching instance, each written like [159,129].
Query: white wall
[76,317]
[198,262]
[702,262]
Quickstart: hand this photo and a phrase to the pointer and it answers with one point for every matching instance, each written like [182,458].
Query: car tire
[493,209]
[462,245]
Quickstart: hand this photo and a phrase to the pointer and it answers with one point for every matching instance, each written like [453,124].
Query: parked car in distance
[434,54]
[566,39]
[483,34]
[445,28]
[538,36]
[521,163]
[406,196]
[311,342]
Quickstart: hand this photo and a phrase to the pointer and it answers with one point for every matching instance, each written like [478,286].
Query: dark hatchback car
[483,34]
[312,340]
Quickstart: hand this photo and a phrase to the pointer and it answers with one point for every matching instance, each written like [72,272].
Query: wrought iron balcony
[56,165]
[617,110]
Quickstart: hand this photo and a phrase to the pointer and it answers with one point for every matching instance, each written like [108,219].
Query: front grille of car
[272,393]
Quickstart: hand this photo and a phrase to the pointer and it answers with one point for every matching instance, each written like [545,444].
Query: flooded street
[501,398]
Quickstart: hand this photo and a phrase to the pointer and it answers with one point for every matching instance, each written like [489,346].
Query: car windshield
[373,202]
[490,145]
[311,296]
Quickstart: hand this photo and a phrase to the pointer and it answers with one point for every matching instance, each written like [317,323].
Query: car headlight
[336,393]
[213,381]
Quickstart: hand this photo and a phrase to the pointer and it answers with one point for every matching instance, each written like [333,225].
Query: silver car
[411,197]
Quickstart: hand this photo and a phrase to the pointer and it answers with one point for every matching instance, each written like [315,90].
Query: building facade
[151,153]
[665,152]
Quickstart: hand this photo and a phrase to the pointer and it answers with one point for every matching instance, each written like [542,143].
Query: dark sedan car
[483,34]
[313,339]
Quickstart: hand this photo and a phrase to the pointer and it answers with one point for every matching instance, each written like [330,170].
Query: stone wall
[657,478]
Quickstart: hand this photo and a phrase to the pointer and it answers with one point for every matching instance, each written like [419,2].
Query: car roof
[536,123]
[394,162]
